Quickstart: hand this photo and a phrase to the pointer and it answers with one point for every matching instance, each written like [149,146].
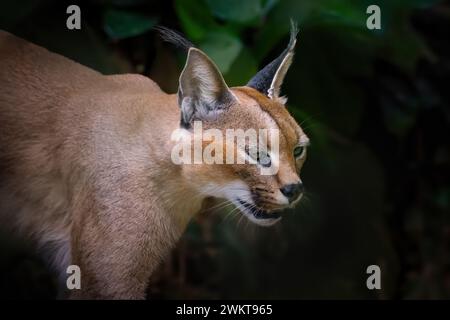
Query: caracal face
[257,195]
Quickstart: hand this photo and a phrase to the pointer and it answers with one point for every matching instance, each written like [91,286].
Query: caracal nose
[292,191]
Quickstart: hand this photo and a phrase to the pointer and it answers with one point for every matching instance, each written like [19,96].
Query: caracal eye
[299,151]
[264,159]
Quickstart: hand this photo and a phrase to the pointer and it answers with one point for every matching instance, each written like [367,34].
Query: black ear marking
[175,38]
[268,80]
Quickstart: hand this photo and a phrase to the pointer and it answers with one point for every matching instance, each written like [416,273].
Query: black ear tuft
[270,78]
[174,38]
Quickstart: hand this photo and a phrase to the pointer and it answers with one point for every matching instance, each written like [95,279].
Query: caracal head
[244,146]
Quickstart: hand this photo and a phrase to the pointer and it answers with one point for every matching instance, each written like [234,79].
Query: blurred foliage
[374,103]
[120,24]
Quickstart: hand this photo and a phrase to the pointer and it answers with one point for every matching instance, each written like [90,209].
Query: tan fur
[85,167]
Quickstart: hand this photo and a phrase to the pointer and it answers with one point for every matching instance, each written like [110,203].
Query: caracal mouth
[258,215]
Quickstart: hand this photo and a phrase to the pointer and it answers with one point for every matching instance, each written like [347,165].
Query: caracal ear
[269,80]
[202,91]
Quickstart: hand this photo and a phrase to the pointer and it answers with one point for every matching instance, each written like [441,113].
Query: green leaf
[196,19]
[236,10]
[120,24]
[222,48]
[243,69]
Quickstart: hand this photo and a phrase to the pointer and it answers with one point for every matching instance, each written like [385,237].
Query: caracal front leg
[117,243]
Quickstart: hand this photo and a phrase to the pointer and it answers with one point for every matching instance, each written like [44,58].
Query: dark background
[374,103]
